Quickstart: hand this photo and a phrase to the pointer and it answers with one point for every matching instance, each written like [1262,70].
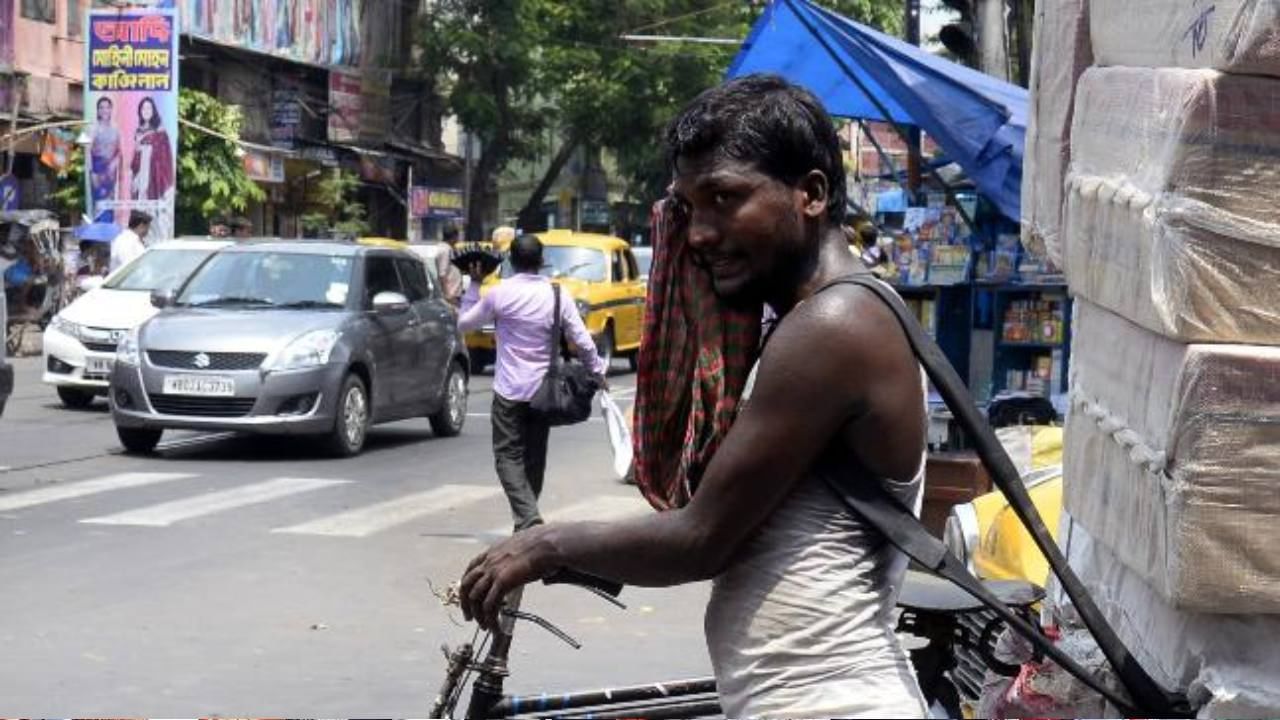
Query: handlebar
[596,585]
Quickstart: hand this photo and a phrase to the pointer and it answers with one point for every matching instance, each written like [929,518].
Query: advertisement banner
[320,32]
[429,202]
[345,106]
[286,117]
[131,106]
[264,167]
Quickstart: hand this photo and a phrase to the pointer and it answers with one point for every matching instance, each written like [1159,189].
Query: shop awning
[979,121]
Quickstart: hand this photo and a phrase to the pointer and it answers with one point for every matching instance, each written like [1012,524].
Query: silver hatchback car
[306,338]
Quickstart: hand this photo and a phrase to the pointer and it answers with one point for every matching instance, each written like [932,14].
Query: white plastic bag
[619,434]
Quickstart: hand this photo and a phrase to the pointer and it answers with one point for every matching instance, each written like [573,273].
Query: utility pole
[912,26]
[993,48]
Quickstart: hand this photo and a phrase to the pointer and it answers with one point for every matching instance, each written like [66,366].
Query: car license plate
[98,366]
[199,385]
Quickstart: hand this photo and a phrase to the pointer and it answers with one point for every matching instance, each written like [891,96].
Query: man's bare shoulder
[845,326]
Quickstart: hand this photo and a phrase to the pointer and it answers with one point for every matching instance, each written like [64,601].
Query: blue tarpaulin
[979,121]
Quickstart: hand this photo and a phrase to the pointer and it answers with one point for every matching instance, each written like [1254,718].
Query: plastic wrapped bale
[1172,461]
[1170,216]
[1226,664]
[1239,36]
[1062,53]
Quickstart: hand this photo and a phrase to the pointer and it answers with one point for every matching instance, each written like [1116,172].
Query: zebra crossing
[372,518]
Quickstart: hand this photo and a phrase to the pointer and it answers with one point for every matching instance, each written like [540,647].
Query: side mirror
[163,298]
[390,303]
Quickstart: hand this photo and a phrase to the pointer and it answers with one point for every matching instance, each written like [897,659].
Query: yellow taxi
[601,276]
[386,242]
[986,533]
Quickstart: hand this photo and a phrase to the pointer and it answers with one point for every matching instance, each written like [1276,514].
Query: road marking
[40,496]
[601,508]
[167,513]
[382,516]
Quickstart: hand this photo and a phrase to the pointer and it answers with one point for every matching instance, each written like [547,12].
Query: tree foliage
[211,175]
[511,69]
[339,211]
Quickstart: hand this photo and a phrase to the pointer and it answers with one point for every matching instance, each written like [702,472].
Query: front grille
[185,360]
[101,347]
[202,406]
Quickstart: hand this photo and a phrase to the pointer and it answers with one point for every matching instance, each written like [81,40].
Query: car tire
[351,421]
[75,399]
[605,348]
[139,441]
[452,416]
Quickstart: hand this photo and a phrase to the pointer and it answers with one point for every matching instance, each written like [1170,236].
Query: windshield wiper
[309,304]
[232,300]
[572,269]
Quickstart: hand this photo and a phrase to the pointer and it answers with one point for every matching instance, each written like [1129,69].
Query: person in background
[219,227]
[451,280]
[241,228]
[522,309]
[128,244]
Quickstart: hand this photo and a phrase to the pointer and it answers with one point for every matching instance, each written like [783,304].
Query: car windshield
[158,269]
[270,279]
[566,261]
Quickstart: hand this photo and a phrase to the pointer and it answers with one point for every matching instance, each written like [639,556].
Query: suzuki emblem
[201,360]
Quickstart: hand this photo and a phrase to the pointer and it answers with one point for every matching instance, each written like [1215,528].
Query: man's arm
[840,365]
[476,311]
[579,337]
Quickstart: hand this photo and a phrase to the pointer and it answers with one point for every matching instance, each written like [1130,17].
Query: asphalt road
[234,576]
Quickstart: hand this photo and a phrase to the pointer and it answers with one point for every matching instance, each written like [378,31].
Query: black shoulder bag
[903,529]
[566,392]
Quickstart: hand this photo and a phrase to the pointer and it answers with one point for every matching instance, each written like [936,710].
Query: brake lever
[545,625]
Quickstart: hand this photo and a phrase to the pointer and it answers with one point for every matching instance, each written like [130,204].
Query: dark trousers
[520,454]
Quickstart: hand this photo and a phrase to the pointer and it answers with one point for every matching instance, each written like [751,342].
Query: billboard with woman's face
[131,106]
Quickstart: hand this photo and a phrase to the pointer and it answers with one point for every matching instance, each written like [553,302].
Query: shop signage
[429,202]
[286,116]
[264,167]
[346,105]
[595,212]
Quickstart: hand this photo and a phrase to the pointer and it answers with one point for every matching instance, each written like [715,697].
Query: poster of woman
[131,106]
[152,163]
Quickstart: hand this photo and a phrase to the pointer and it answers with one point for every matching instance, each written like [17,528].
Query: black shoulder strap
[555,327]
[904,530]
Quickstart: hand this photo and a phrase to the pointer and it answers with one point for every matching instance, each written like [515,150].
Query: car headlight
[310,350]
[65,326]
[961,533]
[584,308]
[127,351]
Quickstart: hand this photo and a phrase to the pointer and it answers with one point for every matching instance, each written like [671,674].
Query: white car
[80,343]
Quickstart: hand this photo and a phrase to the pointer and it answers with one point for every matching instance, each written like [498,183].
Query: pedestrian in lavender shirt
[522,307]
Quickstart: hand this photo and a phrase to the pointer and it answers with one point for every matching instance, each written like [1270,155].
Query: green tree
[481,56]
[339,211]
[211,176]
[68,198]
[509,69]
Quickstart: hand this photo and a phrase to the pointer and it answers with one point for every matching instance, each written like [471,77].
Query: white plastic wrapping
[1240,36]
[1061,54]
[1172,461]
[1170,216]
[1226,664]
